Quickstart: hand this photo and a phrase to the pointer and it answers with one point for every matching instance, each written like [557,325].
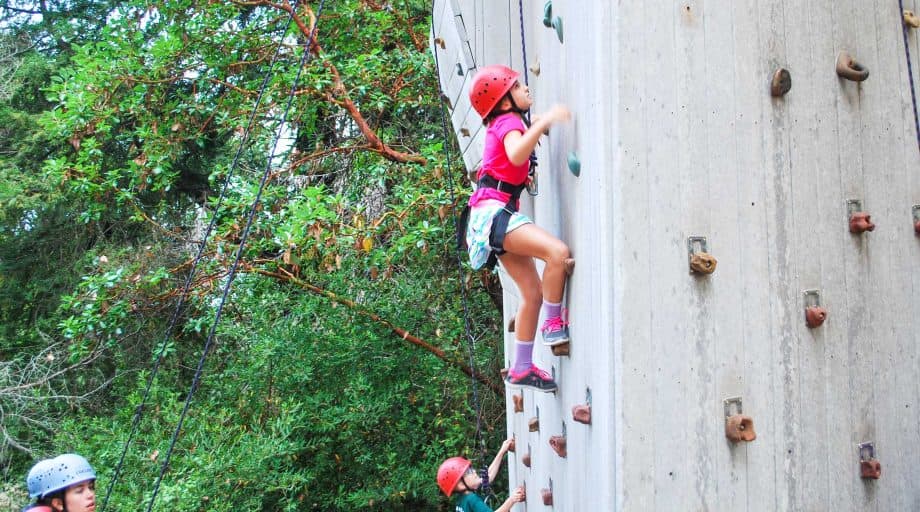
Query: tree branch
[285,276]
[339,94]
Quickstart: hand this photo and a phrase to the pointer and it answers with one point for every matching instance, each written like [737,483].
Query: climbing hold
[781,83]
[848,68]
[814,313]
[574,163]
[911,19]
[557,24]
[550,22]
[558,443]
[511,325]
[582,413]
[815,316]
[547,494]
[526,458]
[548,14]
[518,402]
[440,42]
[561,349]
[738,427]
[465,132]
[535,69]
[459,69]
[915,211]
[701,262]
[504,373]
[860,221]
[869,467]
[533,424]
[570,265]
[512,445]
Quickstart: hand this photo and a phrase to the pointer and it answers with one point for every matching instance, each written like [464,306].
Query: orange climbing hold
[860,222]
[582,413]
[740,428]
[559,443]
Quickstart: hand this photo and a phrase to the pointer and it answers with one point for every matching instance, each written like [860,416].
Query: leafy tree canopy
[340,376]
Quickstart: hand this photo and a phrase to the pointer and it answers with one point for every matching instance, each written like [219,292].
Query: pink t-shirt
[495,161]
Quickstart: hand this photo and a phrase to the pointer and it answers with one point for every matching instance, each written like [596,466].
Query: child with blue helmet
[67,484]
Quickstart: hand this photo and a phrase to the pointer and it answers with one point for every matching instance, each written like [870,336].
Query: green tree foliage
[115,143]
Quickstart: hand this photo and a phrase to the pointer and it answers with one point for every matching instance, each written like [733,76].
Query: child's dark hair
[46,501]
[498,111]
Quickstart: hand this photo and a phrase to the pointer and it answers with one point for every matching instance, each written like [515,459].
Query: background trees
[119,124]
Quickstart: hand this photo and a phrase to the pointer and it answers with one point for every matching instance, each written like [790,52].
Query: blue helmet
[64,471]
[37,475]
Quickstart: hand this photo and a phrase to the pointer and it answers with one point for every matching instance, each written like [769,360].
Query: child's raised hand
[557,113]
[507,444]
[517,496]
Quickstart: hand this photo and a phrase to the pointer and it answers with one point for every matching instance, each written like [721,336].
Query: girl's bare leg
[524,273]
[533,241]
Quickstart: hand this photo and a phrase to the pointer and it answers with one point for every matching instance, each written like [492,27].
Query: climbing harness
[170,327]
[502,217]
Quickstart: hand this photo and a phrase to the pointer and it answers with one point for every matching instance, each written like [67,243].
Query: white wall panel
[678,136]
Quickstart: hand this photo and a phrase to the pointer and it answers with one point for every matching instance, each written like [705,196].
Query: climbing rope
[523,48]
[471,341]
[910,70]
[239,254]
[467,323]
[138,414]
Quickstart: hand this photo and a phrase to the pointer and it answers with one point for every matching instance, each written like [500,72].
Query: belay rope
[467,323]
[231,275]
[910,70]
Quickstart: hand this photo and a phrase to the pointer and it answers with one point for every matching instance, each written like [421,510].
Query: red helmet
[450,472]
[490,85]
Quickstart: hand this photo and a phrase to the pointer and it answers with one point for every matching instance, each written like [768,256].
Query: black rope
[523,47]
[532,171]
[138,414]
[467,323]
[910,71]
[239,254]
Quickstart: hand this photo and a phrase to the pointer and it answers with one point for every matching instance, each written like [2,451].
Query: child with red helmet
[457,475]
[496,230]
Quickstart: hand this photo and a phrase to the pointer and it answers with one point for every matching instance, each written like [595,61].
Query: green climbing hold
[574,164]
[548,14]
[557,24]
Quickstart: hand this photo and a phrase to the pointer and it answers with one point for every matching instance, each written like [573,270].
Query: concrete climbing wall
[678,136]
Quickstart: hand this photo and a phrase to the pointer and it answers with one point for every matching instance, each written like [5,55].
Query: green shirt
[471,502]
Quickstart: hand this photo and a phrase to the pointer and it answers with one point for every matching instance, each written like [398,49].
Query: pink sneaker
[555,331]
[533,378]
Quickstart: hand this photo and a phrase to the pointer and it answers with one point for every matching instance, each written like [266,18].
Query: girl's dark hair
[47,499]
[498,111]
